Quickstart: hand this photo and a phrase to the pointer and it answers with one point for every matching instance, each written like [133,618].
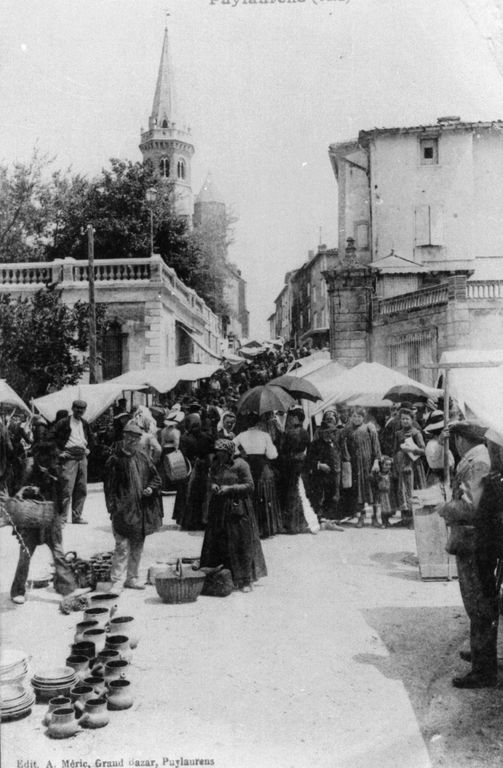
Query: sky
[265,87]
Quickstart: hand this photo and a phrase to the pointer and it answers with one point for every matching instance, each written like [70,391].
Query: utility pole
[92,306]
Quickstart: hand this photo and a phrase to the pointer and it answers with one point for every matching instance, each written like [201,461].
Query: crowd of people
[244,477]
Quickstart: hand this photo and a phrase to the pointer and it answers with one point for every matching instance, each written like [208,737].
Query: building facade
[420,266]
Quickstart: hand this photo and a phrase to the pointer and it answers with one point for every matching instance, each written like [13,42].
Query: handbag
[346,475]
[218,582]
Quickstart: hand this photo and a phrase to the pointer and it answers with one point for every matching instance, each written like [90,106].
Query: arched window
[164,123]
[164,167]
[181,169]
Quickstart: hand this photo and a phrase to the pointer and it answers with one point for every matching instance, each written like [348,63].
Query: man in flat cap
[461,515]
[74,440]
[132,495]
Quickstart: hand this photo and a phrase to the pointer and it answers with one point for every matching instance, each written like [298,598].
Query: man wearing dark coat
[132,495]
[464,514]
[323,469]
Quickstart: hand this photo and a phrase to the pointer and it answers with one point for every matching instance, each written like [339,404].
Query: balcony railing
[484,289]
[421,299]
[67,272]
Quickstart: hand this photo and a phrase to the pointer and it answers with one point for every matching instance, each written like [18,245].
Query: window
[314,294]
[411,353]
[112,351]
[429,225]
[181,169]
[164,167]
[164,123]
[429,151]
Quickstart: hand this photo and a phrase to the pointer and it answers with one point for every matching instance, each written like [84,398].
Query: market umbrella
[301,389]
[9,397]
[407,392]
[264,399]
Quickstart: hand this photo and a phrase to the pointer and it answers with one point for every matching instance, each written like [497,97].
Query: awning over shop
[98,397]
[315,332]
[165,379]
[200,343]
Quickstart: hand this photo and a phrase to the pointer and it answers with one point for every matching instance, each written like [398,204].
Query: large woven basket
[28,513]
[176,467]
[179,585]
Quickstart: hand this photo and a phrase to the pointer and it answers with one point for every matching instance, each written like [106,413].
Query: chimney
[322,248]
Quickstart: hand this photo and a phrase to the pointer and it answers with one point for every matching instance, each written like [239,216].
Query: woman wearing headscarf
[191,509]
[231,536]
[256,446]
[292,455]
[149,443]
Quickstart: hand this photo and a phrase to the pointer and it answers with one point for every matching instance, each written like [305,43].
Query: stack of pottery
[54,682]
[13,667]
[16,702]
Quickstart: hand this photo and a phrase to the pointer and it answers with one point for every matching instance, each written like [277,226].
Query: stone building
[302,312]
[420,266]
[154,319]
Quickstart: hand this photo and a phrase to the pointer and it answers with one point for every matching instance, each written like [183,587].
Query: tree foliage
[45,220]
[43,342]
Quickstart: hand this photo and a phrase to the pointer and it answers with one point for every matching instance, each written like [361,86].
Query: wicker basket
[179,586]
[29,513]
[176,467]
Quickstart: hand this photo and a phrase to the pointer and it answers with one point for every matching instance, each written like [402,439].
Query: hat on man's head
[79,404]
[470,430]
[405,412]
[133,428]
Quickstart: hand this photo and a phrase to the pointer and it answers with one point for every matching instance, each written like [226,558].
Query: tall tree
[43,342]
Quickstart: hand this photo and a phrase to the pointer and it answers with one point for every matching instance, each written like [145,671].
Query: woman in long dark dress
[257,448]
[197,446]
[292,456]
[231,536]
[364,451]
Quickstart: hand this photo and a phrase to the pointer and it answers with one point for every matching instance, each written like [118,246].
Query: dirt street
[341,658]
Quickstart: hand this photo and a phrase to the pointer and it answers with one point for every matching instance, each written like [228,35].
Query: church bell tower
[167,142]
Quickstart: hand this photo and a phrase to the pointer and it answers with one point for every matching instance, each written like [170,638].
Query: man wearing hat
[74,440]
[323,467]
[132,495]
[461,515]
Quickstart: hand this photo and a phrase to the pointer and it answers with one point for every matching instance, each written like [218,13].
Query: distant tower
[209,204]
[167,144]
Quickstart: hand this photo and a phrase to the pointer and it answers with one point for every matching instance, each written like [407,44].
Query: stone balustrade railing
[421,299]
[33,275]
[484,289]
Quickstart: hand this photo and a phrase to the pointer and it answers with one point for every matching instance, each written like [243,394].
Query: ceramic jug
[84,648]
[80,664]
[120,643]
[63,723]
[115,670]
[95,714]
[101,615]
[55,703]
[124,625]
[97,684]
[107,654]
[108,600]
[119,694]
[96,636]
[80,693]
[81,627]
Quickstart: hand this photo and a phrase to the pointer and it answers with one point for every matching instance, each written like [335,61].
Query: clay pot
[101,615]
[115,670]
[63,723]
[120,643]
[107,654]
[80,664]
[124,625]
[80,693]
[97,637]
[97,684]
[119,694]
[82,627]
[84,648]
[95,714]
[55,703]
[108,600]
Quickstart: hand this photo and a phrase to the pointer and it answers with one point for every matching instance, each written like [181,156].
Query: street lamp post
[151,197]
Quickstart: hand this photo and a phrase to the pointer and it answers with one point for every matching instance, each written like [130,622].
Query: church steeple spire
[166,144]
[164,106]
